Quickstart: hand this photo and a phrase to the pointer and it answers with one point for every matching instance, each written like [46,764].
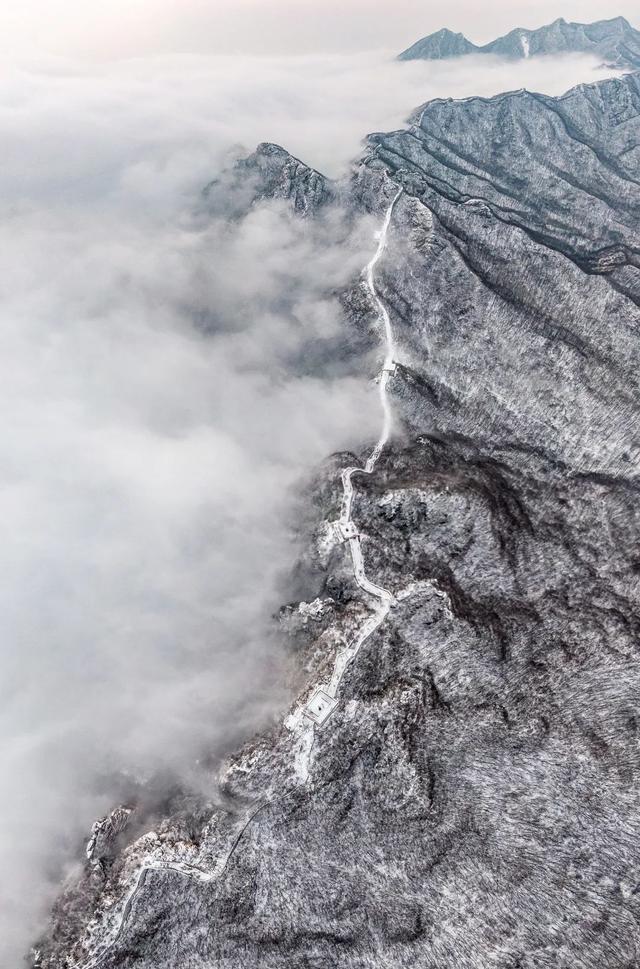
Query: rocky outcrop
[615,41]
[474,799]
[270,172]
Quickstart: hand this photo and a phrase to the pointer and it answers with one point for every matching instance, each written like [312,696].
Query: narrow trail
[319,708]
[323,702]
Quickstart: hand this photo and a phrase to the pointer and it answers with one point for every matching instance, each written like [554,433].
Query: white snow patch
[350,709]
[303,731]
[326,540]
[311,610]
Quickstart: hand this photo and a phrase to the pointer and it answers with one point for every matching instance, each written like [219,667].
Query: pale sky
[137,27]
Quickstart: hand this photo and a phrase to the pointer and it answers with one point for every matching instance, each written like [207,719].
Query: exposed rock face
[615,41]
[473,800]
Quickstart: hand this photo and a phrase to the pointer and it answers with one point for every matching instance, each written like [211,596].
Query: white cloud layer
[154,421]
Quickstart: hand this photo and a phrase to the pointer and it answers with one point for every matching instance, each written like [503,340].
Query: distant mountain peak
[443,44]
[614,40]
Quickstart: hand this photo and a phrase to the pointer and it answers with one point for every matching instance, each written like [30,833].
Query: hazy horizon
[131,28]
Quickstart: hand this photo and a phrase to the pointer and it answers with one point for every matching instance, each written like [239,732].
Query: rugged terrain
[472,801]
[615,41]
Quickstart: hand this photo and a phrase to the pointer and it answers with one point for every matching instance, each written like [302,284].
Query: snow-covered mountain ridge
[615,41]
